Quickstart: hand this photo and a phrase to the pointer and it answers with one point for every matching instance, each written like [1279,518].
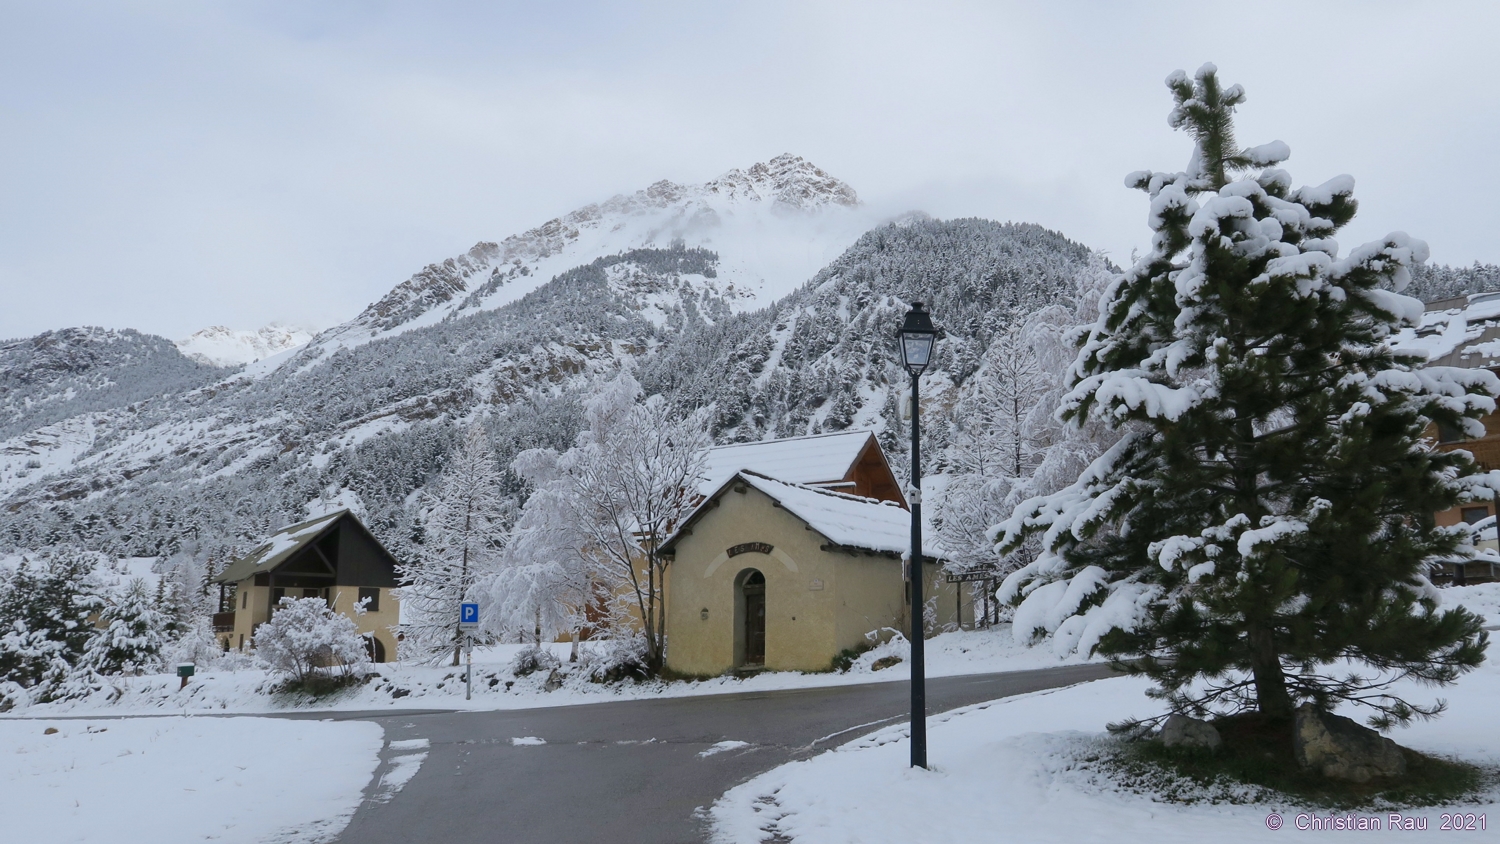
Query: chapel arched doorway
[750,621]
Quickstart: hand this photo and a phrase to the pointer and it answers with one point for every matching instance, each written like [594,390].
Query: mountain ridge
[657,215]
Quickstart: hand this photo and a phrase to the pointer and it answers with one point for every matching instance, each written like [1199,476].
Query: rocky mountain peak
[788,180]
[658,214]
[65,351]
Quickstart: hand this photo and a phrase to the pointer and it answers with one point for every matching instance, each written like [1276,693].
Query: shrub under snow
[305,635]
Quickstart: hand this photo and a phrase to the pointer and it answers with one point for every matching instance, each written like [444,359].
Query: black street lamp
[917,338]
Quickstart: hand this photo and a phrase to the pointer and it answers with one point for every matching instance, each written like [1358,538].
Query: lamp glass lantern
[917,337]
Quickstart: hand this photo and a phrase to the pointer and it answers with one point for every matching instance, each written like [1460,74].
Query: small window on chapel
[373,596]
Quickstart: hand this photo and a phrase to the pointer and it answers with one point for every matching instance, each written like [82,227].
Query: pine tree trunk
[1270,681]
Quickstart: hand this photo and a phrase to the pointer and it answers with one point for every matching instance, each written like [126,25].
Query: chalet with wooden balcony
[332,557]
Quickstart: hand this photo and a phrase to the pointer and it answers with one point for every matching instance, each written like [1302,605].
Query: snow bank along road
[634,771]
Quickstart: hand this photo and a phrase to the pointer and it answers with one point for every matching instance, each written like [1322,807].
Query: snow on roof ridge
[305,523]
[821,490]
[850,432]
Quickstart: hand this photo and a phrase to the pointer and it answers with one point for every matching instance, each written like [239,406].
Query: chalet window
[373,595]
[277,593]
[245,600]
[1474,514]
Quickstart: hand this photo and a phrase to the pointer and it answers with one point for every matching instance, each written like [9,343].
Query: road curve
[630,771]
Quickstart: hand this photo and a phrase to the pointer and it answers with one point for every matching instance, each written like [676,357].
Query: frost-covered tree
[46,603]
[628,483]
[1264,523]
[549,576]
[1008,443]
[464,531]
[304,635]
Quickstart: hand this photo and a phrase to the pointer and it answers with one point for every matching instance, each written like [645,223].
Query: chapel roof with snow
[849,461]
[849,522]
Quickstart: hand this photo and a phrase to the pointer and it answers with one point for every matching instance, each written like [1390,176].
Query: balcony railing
[223,622]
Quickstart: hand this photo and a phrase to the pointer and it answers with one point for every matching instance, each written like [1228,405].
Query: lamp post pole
[916,339]
[918,658]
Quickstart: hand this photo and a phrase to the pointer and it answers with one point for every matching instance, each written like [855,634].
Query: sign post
[468,622]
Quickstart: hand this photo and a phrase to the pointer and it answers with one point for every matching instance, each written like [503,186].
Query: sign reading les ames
[746,548]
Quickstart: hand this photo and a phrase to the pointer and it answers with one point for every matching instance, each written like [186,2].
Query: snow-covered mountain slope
[772,225]
[220,346]
[208,470]
[60,374]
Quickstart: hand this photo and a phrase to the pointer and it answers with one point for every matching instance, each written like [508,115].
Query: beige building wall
[252,606]
[817,602]
[380,623]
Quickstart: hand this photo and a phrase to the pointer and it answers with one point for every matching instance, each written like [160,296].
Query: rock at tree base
[553,682]
[884,663]
[1183,731]
[1340,749]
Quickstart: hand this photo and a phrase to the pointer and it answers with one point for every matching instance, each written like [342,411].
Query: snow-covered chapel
[793,555]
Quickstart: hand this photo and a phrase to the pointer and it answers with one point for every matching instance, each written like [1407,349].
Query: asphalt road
[629,771]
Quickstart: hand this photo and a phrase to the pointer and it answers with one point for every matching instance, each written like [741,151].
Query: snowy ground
[1481,599]
[401,686]
[1021,769]
[164,780]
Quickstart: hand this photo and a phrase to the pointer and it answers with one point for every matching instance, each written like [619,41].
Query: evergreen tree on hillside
[1265,521]
[45,605]
[465,530]
[136,630]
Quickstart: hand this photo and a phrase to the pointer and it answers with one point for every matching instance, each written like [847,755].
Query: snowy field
[1482,599]
[402,686]
[174,779]
[1019,769]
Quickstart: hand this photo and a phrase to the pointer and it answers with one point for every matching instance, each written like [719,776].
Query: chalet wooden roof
[284,544]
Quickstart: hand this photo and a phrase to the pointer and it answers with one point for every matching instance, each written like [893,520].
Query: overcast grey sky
[172,165]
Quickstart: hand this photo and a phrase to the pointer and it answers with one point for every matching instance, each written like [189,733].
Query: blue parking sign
[468,614]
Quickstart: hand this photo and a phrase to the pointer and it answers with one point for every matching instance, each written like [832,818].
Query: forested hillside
[119,443]
[222,465]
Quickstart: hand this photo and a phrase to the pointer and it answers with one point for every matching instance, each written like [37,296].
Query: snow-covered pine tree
[1266,519]
[464,531]
[137,630]
[45,605]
